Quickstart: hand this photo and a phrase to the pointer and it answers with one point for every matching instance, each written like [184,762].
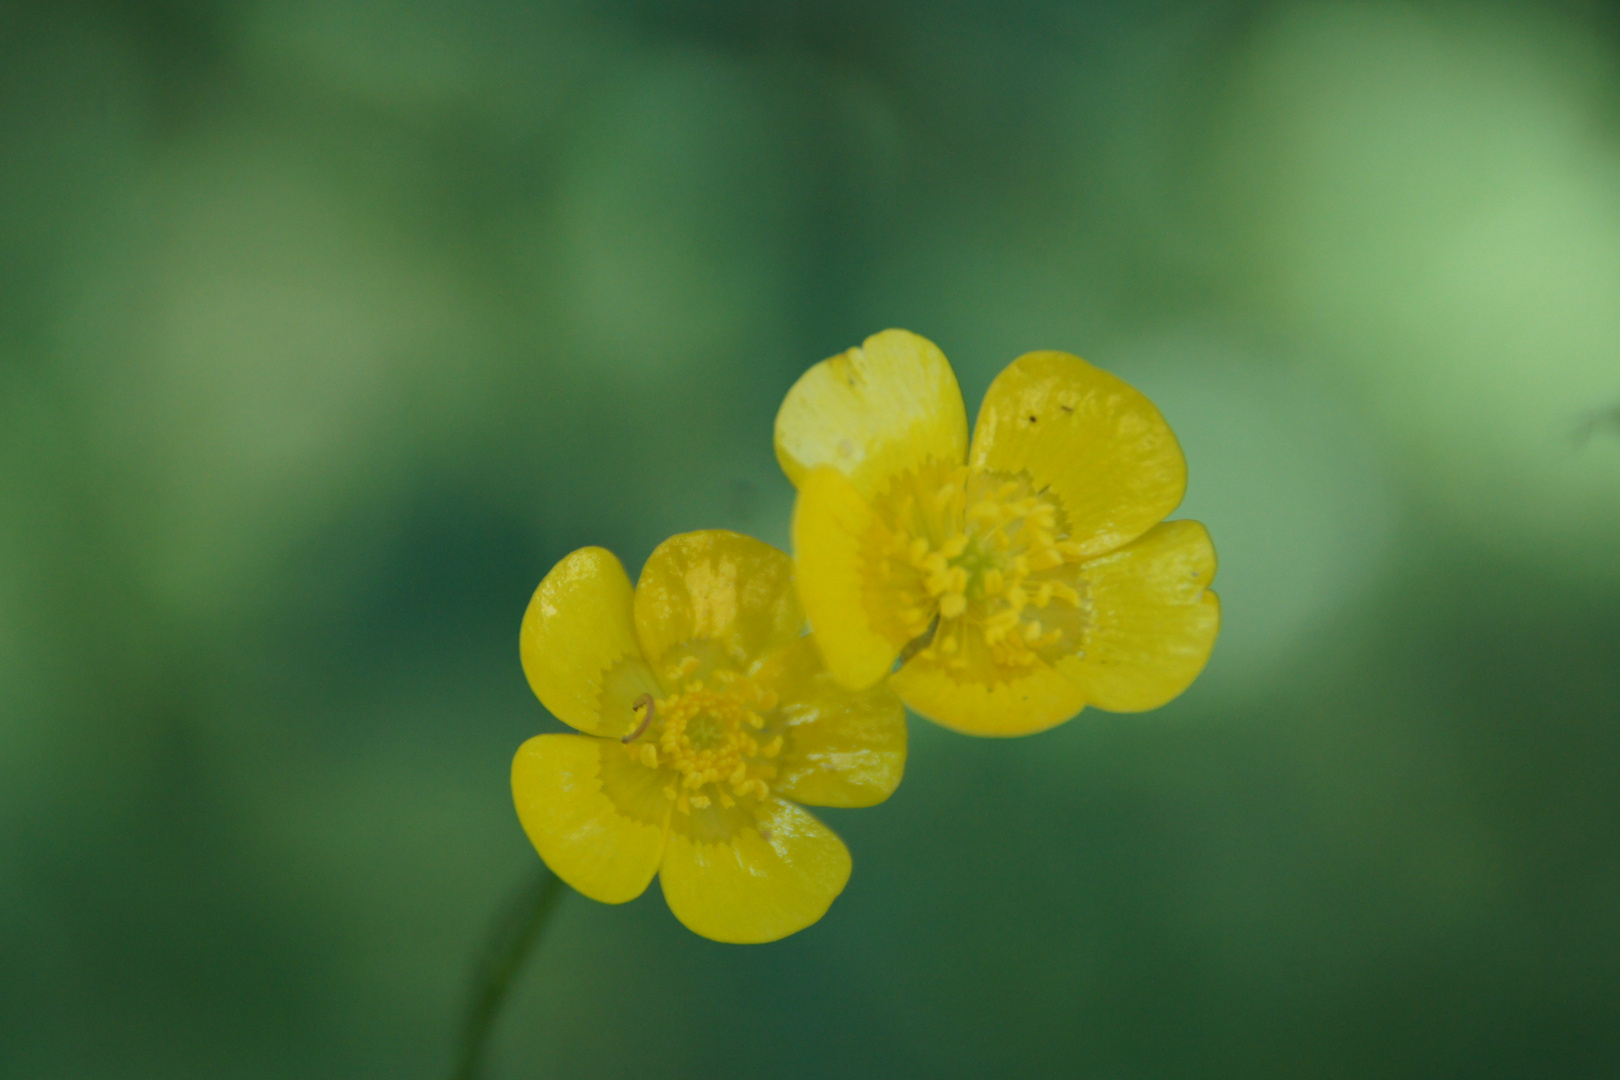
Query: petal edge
[578,644]
[583,835]
[1096,441]
[719,586]
[1036,700]
[831,522]
[873,412]
[751,889]
[844,748]
[1156,619]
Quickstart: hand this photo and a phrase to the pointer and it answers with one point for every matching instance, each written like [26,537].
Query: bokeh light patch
[1432,197]
[1290,481]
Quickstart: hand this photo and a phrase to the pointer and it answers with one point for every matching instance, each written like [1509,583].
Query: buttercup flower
[706,717]
[1017,579]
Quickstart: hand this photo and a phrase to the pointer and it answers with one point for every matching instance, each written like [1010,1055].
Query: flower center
[989,556]
[709,740]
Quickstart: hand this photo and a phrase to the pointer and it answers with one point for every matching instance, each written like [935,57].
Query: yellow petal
[985,699]
[579,645]
[1088,437]
[832,527]
[717,587]
[873,413]
[593,813]
[842,747]
[760,883]
[1153,619]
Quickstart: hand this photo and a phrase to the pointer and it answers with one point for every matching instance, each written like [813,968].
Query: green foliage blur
[328,326]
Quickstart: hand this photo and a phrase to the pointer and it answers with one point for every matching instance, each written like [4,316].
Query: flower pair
[996,587]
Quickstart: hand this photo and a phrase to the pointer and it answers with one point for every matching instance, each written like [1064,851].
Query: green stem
[510,941]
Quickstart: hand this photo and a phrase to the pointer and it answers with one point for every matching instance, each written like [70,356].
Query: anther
[652,710]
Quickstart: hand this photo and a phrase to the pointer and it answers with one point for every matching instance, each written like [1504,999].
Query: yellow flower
[707,715]
[1017,579]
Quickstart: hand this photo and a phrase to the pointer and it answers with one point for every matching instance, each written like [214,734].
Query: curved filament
[652,710]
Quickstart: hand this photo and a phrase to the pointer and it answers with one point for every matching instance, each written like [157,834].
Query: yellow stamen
[703,738]
[963,546]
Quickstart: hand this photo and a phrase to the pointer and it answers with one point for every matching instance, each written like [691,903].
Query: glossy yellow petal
[832,529]
[842,747]
[593,813]
[986,699]
[1153,619]
[719,589]
[873,413]
[762,882]
[1088,437]
[579,648]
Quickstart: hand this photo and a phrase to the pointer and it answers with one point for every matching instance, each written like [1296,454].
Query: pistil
[709,741]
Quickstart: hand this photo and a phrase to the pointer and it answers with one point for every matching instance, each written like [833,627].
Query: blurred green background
[327,326]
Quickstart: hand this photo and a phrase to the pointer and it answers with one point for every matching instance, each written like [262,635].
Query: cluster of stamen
[709,737]
[986,552]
